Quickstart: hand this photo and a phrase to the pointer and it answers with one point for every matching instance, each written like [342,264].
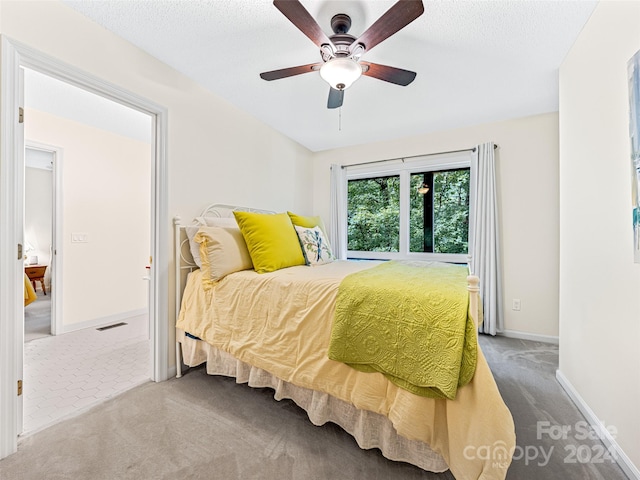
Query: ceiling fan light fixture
[423,189]
[340,72]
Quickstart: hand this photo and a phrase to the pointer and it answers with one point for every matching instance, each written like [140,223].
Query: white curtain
[485,247]
[338,205]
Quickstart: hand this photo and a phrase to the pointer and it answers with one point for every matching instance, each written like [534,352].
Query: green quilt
[409,321]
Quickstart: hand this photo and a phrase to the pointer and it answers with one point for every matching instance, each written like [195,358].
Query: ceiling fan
[341,52]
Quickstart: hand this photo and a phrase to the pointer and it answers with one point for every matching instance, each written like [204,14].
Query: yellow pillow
[307,222]
[271,239]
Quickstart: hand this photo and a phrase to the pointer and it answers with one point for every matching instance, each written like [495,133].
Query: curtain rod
[413,156]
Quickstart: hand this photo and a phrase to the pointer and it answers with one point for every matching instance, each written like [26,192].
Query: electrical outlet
[516,304]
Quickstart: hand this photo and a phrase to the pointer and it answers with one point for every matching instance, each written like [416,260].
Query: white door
[11,250]
[20,214]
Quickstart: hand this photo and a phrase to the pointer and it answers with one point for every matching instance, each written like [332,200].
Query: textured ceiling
[477,61]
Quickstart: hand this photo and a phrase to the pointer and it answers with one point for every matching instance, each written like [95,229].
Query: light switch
[79,237]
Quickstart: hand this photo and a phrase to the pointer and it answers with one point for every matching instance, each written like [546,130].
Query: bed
[274,330]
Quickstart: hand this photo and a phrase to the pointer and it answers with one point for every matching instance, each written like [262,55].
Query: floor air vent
[111,326]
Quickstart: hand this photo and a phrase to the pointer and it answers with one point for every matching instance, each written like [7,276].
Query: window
[439,219]
[373,210]
[387,217]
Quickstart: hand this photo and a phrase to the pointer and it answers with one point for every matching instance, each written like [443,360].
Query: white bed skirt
[370,430]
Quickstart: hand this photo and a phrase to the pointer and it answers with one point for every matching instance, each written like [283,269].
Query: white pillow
[222,251]
[315,246]
[192,230]
[194,247]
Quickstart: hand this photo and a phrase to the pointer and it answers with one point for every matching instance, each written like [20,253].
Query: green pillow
[271,239]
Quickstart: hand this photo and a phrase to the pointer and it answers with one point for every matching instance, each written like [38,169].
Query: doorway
[104,214]
[39,215]
[17,56]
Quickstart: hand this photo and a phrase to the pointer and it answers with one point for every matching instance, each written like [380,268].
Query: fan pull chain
[340,119]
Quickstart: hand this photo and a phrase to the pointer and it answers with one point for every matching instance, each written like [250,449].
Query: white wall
[216,153]
[105,193]
[599,283]
[527,167]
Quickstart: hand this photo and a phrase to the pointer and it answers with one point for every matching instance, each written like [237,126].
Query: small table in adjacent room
[36,274]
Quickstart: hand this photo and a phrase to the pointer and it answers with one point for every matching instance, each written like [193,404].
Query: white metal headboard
[183,260]
[182,253]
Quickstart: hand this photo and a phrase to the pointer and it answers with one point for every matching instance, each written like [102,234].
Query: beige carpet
[198,427]
[202,427]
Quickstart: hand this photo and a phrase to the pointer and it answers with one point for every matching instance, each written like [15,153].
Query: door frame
[56,232]
[14,56]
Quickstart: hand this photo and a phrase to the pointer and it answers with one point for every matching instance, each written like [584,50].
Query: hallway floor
[68,374]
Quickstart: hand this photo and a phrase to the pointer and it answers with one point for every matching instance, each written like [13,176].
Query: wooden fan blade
[396,18]
[301,18]
[388,74]
[290,72]
[336,97]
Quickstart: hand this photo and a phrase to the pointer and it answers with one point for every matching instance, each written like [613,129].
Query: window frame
[405,168]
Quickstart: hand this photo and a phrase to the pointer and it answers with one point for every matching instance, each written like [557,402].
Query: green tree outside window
[438,220]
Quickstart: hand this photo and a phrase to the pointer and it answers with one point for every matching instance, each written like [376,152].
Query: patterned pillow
[314,245]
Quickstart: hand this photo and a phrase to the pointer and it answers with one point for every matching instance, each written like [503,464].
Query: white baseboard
[610,443]
[103,321]
[530,336]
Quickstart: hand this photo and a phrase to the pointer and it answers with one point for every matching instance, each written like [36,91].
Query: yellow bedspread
[281,323]
[409,321]
[29,292]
